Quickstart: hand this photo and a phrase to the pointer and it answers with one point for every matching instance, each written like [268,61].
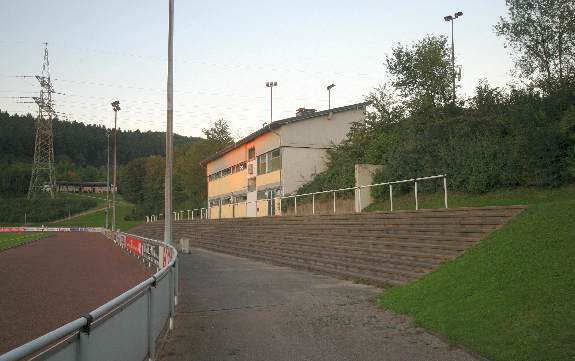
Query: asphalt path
[46,283]
[237,309]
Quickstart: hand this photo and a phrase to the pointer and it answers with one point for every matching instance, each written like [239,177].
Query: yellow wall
[236,183]
[268,178]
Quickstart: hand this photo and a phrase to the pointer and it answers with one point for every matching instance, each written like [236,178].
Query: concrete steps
[380,248]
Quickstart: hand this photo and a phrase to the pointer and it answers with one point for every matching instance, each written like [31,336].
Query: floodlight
[448,18]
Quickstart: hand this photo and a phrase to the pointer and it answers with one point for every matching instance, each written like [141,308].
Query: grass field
[9,240]
[512,297]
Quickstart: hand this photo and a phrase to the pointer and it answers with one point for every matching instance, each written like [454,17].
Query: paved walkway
[237,309]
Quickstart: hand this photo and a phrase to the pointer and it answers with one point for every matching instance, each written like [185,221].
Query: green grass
[9,240]
[512,297]
[98,219]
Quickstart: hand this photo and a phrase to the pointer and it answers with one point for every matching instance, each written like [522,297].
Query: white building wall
[305,143]
[299,165]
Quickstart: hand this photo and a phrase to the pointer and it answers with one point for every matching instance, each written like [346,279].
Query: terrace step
[380,248]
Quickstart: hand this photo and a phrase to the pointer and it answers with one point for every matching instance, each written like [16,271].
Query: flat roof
[278,124]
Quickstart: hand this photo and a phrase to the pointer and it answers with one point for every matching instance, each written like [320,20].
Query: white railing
[205,212]
[126,327]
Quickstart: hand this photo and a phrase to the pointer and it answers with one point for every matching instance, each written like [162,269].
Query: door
[252,208]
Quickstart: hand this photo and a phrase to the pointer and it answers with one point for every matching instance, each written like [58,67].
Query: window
[262,164]
[252,184]
[274,160]
[230,170]
[251,153]
[263,195]
[238,198]
[269,162]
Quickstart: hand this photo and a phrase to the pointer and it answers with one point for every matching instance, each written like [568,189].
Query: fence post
[177,280]
[295,205]
[391,198]
[281,212]
[313,204]
[193,214]
[151,342]
[445,189]
[172,298]
[333,202]
[416,202]
[358,199]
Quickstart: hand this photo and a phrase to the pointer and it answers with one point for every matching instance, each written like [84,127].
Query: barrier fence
[126,327]
[277,204]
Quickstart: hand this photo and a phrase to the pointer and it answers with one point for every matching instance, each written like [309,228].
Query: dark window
[251,153]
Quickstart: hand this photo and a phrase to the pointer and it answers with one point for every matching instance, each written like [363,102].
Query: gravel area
[237,309]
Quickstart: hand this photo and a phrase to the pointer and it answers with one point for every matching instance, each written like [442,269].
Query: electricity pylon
[43,176]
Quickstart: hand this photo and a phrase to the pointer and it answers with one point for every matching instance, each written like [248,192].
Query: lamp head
[116,105]
[458,14]
[448,18]
[330,86]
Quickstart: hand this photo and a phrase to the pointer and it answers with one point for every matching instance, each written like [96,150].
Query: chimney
[303,111]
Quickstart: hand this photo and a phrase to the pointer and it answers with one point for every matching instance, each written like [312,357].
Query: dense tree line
[498,137]
[80,150]
[142,179]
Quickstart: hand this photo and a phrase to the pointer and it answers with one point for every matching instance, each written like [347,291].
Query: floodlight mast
[329,87]
[116,108]
[271,85]
[451,19]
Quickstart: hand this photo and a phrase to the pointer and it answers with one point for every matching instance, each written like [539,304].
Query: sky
[224,53]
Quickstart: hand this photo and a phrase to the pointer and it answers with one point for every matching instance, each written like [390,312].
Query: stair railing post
[416,201]
[445,189]
[313,204]
[333,202]
[391,198]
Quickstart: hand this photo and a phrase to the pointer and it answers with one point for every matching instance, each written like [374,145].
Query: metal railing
[126,327]
[206,213]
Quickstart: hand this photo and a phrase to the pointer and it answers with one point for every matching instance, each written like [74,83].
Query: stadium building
[275,160]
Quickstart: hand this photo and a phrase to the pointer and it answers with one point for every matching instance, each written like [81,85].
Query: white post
[295,205]
[280,206]
[313,204]
[333,202]
[193,214]
[358,199]
[390,198]
[416,202]
[445,189]
[188,214]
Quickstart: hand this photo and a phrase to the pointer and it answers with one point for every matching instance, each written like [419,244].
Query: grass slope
[500,197]
[98,219]
[512,297]
[9,240]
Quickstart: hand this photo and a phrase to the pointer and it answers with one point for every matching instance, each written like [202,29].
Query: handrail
[83,323]
[313,194]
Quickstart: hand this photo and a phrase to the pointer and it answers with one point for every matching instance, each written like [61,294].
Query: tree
[422,72]
[219,133]
[542,34]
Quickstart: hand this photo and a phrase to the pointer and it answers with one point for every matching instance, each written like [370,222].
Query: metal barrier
[126,327]
[357,196]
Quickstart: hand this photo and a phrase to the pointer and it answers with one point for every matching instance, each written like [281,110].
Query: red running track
[50,282]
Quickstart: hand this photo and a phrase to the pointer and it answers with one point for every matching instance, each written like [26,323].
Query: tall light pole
[169,129]
[271,84]
[329,87]
[116,107]
[108,179]
[452,20]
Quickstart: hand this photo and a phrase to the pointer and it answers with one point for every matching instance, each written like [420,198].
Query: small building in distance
[81,187]
[275,160]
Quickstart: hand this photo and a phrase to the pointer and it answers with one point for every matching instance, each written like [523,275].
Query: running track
[52,281]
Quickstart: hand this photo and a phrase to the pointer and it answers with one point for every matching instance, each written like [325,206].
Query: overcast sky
[224,53]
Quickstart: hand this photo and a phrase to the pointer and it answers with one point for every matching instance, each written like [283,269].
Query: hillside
[509,298]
